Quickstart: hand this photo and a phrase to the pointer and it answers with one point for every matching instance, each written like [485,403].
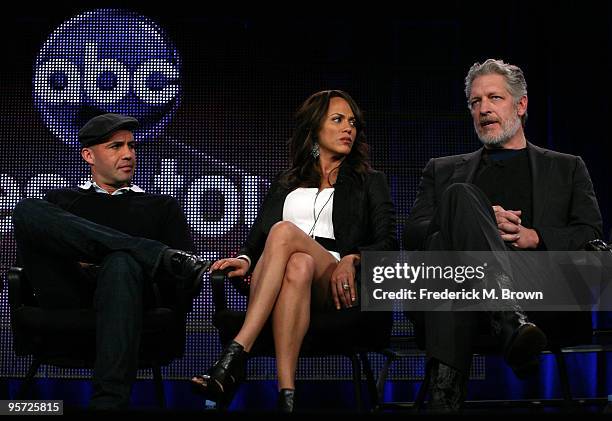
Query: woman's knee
[300,269]
[282,232]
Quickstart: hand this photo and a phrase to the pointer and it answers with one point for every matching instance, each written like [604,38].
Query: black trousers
[465,221]
[50,244]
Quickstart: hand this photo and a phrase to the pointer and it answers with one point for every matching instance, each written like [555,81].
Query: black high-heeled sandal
[220,383]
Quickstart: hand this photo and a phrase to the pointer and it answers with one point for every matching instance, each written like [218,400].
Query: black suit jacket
[363,215]
[565,214]
[565,209]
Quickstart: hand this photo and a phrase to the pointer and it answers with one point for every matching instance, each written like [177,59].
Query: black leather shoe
[523,350]
[186,268]
[522,341]
[447,388]
[285,400]
[597,245]
[224,377]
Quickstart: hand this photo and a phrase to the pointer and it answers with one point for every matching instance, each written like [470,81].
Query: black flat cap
[100,128]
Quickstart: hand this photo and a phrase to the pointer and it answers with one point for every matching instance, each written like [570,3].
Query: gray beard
[509,129]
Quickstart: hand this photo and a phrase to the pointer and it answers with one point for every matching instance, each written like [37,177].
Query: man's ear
[87,155]
[522,106]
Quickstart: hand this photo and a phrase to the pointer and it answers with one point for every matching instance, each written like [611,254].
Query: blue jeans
[50,244]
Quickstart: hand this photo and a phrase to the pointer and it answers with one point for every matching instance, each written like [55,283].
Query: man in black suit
[508,195]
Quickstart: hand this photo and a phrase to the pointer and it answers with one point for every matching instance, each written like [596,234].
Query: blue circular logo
[107,60]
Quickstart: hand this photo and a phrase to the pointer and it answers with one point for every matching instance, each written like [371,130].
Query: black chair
[66,338]
[350,333]
[582,341]
[405,346]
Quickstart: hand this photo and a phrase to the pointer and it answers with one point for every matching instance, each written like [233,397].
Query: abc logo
[107,60]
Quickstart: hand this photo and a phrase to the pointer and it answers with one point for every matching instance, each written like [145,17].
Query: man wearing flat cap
[107,241]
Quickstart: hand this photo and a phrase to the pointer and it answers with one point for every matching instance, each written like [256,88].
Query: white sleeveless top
[311,211]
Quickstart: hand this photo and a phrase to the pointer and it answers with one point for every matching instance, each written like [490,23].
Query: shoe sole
[211,391]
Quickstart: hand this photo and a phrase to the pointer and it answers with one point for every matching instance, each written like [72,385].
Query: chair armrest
[217,279]
[15,277]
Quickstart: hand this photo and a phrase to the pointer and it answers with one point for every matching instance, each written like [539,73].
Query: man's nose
[485,107]
[128,154]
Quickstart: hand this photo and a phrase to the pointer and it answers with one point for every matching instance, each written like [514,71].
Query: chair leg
[420,398]
[563,377]
[159,386]
[357,381]
[372,390]
[382,377]
[29,379]
[4,389]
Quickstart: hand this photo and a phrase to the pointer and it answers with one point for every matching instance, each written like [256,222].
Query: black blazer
[363,215]
[565,209]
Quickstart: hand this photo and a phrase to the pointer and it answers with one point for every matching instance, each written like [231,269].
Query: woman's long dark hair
[305,170]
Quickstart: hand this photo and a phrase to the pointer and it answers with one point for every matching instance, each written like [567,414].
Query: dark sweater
[153,216]
[505,177]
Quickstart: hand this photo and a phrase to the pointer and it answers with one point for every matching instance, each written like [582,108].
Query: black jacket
[565,210]
[565,214]
[363,215]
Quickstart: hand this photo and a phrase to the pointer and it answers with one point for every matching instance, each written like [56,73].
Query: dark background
[245,74]
[405,69]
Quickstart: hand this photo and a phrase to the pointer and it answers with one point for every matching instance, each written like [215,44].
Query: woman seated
[306,242]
